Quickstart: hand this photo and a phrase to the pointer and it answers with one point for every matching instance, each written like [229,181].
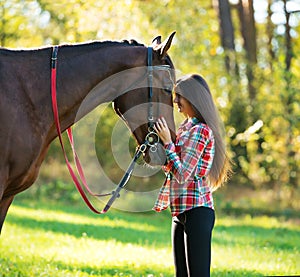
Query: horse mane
[80,46]
[103,44]
[132,42]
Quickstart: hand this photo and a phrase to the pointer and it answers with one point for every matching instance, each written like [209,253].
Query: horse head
[150,98]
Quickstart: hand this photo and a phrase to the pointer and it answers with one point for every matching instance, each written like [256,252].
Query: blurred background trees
[248,50]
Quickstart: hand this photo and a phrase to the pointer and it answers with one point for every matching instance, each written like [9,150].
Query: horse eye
[168,89]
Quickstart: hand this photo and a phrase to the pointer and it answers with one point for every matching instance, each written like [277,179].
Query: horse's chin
[156,158]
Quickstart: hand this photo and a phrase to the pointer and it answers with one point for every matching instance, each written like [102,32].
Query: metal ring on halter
[151,140]
[143,148]
[153,148]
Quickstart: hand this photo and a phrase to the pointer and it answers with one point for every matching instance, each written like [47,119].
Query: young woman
[196,165]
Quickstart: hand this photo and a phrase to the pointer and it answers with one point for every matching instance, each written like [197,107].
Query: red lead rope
[70,136]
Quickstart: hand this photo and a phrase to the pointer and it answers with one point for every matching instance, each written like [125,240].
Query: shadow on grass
[275,238]
[240,234]
[239,201]
[157,235]
[286,213]
[235,273]
[26,269]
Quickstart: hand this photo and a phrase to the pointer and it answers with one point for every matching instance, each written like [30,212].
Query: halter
[150,86]
[151,139]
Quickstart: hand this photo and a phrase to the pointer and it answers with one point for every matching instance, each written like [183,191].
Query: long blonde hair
[195,89]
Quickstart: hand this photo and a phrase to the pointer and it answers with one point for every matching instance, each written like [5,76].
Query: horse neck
[81,68]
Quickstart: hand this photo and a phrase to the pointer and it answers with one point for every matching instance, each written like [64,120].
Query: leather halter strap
[141,149]
[150,86]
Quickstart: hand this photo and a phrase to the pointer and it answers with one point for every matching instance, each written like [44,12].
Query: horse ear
[156,41]
[165,46]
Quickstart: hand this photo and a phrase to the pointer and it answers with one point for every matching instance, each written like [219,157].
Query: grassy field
[52,239]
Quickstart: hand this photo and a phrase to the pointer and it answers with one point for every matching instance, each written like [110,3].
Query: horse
[89,70]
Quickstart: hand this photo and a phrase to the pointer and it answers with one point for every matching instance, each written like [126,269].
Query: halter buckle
[153,148]
[143,148]
[152,138]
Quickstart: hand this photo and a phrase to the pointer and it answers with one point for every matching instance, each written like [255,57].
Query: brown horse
[84,71]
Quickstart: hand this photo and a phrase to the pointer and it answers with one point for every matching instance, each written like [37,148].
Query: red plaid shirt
[188,163]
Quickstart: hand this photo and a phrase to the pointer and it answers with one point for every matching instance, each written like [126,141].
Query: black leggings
[191,238]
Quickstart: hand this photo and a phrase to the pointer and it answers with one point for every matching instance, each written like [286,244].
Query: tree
[251,65]
[9,23]
[226,33]
[289,99]
[248,31]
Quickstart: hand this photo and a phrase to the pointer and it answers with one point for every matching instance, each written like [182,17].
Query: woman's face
[184,106]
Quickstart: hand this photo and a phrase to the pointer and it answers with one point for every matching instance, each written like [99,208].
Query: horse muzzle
[155,155]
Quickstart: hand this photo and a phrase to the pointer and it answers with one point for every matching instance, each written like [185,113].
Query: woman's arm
[194,143]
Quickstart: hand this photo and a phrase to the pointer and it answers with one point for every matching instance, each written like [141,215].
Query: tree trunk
[248,30]
[288,39]
[226,33]
[293,171]
[270,30]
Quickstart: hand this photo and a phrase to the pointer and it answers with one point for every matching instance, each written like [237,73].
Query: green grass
[50,239]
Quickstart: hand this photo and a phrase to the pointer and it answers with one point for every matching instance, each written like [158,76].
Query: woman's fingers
[161,123]
[161,128]
[164,122]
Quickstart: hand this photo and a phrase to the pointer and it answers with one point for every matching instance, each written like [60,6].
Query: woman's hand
[161,128]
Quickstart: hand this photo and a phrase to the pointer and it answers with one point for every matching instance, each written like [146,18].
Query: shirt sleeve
[182,165]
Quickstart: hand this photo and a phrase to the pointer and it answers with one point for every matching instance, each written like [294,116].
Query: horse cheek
[158,157]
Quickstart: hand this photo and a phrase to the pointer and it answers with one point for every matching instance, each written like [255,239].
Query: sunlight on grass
[66,242]
[51,251]
[263,244]
[60,216]
[85,252]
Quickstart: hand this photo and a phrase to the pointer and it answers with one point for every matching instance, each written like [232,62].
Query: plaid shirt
[188,163]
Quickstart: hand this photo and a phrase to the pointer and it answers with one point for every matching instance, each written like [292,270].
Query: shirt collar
[194,120]
[188,123]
